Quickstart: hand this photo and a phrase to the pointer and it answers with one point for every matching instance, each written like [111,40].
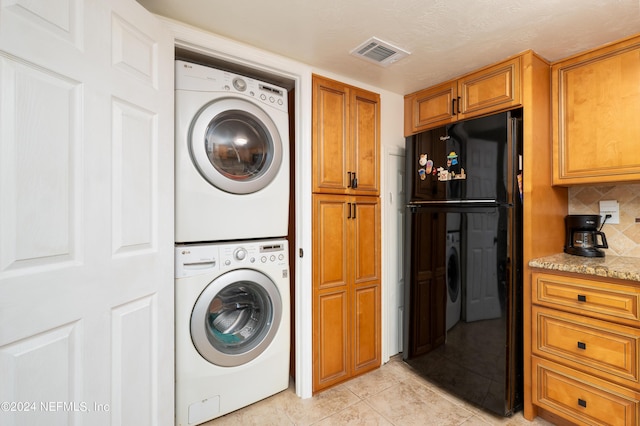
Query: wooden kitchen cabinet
[346,288]
[585,348]
[491,89]
[596,105]
[346,138]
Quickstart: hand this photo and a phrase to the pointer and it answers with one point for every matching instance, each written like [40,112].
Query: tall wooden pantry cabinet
[346,232]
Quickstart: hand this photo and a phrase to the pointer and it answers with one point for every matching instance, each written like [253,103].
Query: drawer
[581,398]
[601,348]
[605,300]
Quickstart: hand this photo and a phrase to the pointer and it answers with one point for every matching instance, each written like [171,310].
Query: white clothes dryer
[454,284]
[231,156]
[232,326]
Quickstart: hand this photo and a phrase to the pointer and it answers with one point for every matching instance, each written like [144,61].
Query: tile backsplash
[623,239]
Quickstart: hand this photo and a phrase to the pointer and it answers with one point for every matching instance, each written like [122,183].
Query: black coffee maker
[582,231]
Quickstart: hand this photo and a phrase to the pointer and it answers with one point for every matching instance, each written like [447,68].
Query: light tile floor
[391,395]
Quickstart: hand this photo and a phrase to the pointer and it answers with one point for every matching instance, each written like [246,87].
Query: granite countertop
[626,268]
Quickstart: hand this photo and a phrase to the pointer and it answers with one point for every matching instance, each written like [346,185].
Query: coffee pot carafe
[582,232]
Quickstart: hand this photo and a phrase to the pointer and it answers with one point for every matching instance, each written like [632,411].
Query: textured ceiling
[446,38]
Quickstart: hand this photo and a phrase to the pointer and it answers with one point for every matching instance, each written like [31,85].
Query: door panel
[366,161]
[331,340]
[366,233]
[331,140]
[86,228]
[331,238]
[366,348]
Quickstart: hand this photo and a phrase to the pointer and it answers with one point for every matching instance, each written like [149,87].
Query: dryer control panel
[190,76]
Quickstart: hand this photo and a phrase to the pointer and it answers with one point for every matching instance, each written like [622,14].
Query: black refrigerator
[462,325]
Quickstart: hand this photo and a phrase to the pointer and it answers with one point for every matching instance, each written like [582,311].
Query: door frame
[214,46]
[391,318]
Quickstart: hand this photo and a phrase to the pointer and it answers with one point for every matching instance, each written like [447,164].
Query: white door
[394,208]
[86,214]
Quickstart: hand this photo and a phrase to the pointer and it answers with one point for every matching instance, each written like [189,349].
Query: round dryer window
[236,317]
[236,146]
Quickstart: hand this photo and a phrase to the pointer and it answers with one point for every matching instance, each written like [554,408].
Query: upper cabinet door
[330,135]
[596,105]
[491,89]
[365,145]
[346,139]
[431,107]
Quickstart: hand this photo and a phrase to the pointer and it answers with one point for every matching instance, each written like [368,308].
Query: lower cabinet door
[581,398]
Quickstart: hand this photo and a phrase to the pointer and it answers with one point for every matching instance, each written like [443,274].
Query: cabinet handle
[582,298]
[458,104]
[582,403]
[349,213]
[354,210]
[350,180]
[453,106]
[354,183]
[582,345]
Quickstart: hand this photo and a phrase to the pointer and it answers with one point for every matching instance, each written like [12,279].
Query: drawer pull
[582,345]
[582,403]
[582,298]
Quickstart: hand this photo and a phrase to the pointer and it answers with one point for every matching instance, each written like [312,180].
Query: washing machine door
[235,145]
[236,317]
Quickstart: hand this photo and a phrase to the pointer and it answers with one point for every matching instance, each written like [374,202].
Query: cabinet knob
[582,298]
[582,403]
[582,345]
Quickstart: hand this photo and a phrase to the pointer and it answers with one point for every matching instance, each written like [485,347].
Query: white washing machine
[231,156]
[454,296]
[232,326]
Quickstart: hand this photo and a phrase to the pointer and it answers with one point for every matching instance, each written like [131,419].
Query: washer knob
[240,253]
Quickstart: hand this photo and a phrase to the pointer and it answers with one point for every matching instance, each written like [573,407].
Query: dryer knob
[240,253]
[239,84]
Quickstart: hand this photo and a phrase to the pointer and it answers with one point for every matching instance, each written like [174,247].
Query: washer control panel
[198,259]
[246,254]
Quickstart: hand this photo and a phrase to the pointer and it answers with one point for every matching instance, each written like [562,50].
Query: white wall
[392,110]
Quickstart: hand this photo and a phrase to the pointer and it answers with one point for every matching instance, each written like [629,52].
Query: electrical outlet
[610,207]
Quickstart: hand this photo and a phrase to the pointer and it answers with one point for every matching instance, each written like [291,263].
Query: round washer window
[453,275]
[235,146]
[236,317]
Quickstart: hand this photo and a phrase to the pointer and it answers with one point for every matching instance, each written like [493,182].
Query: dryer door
[236,317]
[235,146]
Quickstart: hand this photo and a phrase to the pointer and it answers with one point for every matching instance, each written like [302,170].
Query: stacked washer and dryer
[232,304]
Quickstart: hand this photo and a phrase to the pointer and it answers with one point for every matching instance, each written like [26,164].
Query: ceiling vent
[379,52]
